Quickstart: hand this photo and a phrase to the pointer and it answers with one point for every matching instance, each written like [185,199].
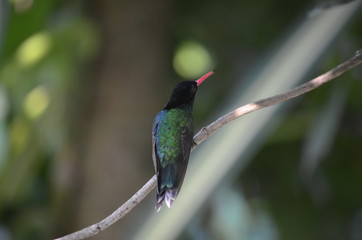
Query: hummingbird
[172,139]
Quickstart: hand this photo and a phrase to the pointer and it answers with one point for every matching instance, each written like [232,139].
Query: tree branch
[206,132]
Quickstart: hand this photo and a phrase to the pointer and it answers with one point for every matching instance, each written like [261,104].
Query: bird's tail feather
[167,196]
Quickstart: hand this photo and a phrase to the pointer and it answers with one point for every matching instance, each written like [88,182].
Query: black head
[183,95]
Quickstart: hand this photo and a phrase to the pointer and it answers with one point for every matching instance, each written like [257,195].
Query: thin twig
[115,216]
[206,132]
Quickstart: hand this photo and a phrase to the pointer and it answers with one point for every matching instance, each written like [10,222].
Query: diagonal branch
[207,131]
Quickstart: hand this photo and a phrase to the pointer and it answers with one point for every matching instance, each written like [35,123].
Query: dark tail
[169,182]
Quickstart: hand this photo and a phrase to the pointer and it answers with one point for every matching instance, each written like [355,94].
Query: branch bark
[207,131]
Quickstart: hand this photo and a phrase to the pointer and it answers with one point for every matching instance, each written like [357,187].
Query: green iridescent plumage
[173,132]
[169,136]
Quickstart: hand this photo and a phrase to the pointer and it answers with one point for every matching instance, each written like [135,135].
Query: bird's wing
[182,161]
[154,150]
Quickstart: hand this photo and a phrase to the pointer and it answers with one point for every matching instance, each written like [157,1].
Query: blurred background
[80,84]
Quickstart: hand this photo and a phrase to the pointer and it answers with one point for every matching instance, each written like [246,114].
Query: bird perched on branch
[172,138]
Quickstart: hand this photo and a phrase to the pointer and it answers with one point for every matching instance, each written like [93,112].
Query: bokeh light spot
[191,60]
[33,49]
[22,5]
[36,102]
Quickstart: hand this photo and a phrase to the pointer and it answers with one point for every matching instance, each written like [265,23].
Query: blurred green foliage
[42,48]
